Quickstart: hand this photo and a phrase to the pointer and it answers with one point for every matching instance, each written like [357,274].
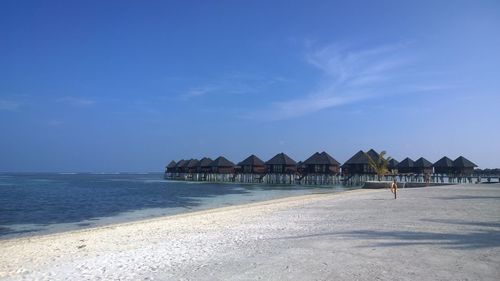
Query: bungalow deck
[326,179]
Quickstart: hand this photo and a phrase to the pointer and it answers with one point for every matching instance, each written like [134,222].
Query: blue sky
[110,86]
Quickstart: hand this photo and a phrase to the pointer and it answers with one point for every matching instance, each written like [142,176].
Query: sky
[127,86]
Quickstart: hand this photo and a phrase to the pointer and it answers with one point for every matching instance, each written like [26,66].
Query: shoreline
[439,233]
[235,207]
[124,199]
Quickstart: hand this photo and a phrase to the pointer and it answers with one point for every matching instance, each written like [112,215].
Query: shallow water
[32,204]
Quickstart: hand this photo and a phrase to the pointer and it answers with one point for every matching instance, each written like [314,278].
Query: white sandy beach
[438,233]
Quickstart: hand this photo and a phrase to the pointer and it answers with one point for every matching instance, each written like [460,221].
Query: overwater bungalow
[252,165]
[444,166]
[406,166]
[182,168]
[170,167]
[281,164]
[321,163]
[392,166]
[222,166]
[462,166]
[359,163]
[179,165]
[205,165]
[192,166]
[323,169]
[422,166]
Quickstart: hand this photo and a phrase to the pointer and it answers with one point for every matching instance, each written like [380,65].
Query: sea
[43,203]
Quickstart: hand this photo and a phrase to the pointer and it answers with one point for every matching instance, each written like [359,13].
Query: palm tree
[379,165]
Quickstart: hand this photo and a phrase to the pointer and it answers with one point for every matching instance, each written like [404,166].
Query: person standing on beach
[394,188]
[427,177]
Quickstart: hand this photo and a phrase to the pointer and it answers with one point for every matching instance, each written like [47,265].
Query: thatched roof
[192,163]
[422,163]
[322,158]
[462,162]
[205,162]
[180,163]
[373,155]
[184,164]
[444,162]
[171,164]
[393,163]
[281,159]
[407,163]
[222,162]
[252,160]
[358,158]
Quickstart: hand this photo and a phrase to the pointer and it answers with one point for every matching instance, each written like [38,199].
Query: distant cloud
[232,84]
[347,76]
[77,101]
[197,92]
[9,105]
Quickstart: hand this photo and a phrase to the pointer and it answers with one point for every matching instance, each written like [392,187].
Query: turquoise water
[32,204]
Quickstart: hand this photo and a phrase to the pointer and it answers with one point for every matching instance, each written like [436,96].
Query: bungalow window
[278,169]
[318,169]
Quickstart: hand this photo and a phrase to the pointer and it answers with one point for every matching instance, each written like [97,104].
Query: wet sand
[435,233]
